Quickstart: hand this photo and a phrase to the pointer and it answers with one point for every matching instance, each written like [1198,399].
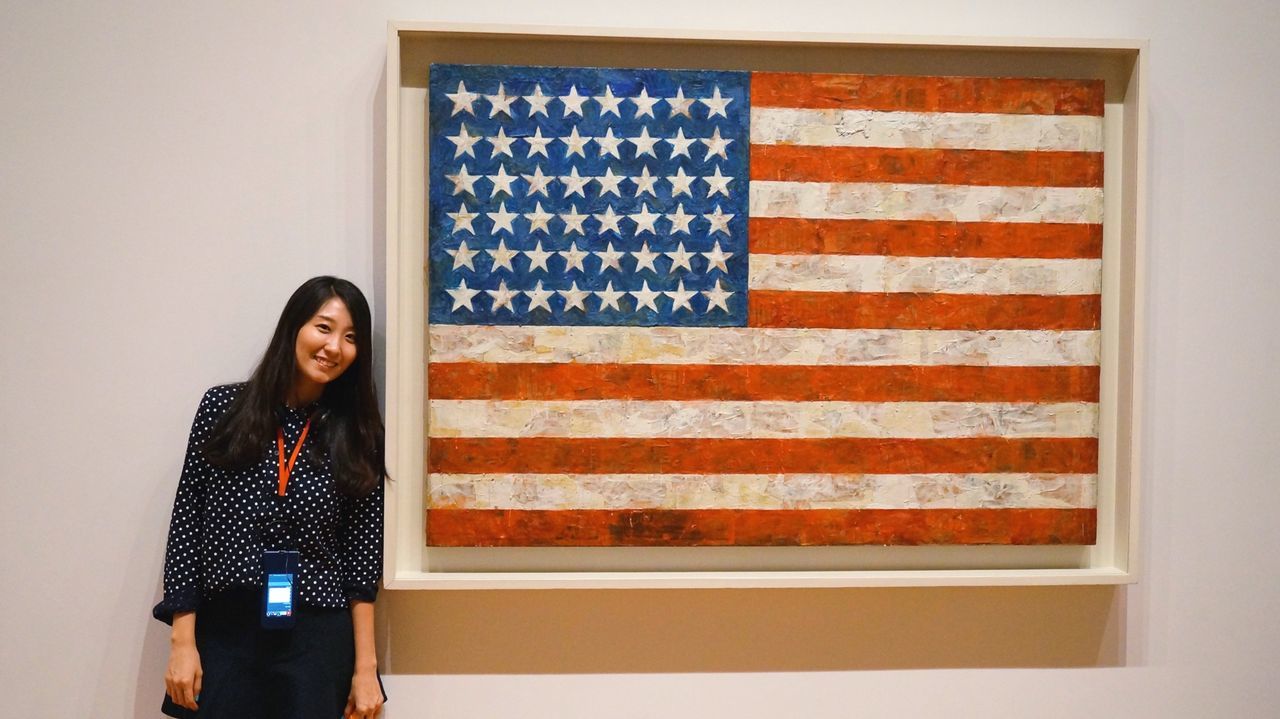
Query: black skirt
[255,673]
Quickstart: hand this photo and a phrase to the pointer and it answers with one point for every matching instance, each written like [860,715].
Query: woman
[283,476]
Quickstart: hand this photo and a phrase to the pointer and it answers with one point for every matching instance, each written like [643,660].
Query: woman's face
[326,345]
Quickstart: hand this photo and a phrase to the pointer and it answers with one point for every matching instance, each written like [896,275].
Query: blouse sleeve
[182,576]
[362,547]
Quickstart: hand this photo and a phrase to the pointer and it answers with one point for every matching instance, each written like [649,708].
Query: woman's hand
[365,699]
[183,678]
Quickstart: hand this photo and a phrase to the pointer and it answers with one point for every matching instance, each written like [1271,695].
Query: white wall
[169,171]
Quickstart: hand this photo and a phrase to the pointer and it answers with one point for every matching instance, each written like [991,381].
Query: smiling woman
[325,348]
[249,515]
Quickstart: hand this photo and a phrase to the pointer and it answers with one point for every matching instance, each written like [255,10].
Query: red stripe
[920,311]
[547,381]
[722,527]
[1027,96]
[924,238]
[794,163]
[468,455]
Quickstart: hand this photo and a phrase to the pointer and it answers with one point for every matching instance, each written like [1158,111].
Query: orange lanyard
[287,469]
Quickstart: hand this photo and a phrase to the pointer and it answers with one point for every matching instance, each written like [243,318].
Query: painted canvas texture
[707,308]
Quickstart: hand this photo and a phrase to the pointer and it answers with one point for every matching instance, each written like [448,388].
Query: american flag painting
[704,308]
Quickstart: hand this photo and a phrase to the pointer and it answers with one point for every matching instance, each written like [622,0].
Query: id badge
[279,596]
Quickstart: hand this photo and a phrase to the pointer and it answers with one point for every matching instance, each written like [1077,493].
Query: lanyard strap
[287,469]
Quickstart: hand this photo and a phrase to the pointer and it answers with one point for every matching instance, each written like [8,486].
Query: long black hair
[346,422]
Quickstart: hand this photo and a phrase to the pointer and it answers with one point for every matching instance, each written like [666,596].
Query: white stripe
[943,130]
[899,201]
[762,491]
[963,275]
[743,345]
[766,419]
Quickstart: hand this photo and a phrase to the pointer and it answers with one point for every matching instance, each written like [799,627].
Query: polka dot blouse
[224,519]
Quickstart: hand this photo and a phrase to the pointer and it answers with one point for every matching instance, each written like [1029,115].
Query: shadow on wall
[670,631]
[640,631]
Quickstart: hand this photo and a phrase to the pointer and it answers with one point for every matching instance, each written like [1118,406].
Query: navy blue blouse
[224,519]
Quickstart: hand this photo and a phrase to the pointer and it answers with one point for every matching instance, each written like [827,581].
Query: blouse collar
[296,414]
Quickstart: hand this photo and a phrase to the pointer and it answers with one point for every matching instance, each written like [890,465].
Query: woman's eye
[351,339]
[323,327]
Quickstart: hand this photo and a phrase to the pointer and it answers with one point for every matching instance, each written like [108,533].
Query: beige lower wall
[726,631]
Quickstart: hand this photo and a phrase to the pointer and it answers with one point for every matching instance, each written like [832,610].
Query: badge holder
[278,596]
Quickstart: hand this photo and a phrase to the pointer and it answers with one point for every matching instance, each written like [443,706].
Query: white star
[644,143]
[574,297]
[462,100]
[537,182]
[717,183]
[608,220]
[573,258]
[573,102]
[577,143]
[679,220]
[680,258]
[539,219]
[501,102]
[609,182]
[462,256]
[716,145]
[462,297]
[502,182]
[609,257]
[645,257]
[717,297]
[680,144]
[719,221]
[573,220]
[537,101]
[680,298]
[537,257]
[462,219]
[681,182]
[609,144]
[501,143]
[464,141]
[464,181]
[538,144]
[646,297]
[502,297]
[644,182]
[502,257]
[644,103]
[538,297]
[575,184]
[609,103]
[502,219]
[645,220]
[609,297]
[716,104]
[716,258]
[680,104]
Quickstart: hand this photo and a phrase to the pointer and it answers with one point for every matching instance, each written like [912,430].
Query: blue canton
[583,196]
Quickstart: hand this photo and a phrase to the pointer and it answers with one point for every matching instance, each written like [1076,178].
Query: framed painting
[790,311]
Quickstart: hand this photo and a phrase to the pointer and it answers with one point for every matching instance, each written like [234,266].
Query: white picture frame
[410,564]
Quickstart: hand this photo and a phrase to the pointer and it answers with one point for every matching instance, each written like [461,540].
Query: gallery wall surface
[170,171]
